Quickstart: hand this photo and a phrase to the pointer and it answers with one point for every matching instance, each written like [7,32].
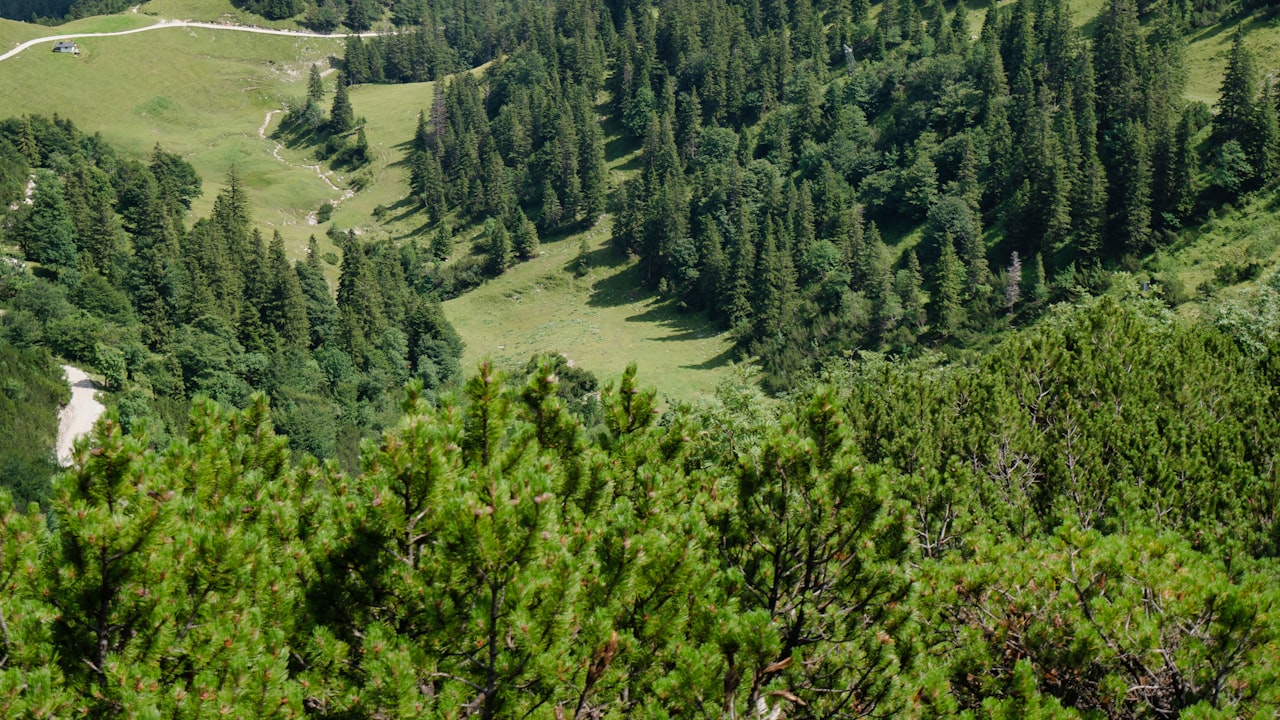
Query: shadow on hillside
[422,231]
[620,289]
[405,208]
[601,258]
[686,325]
[719,361]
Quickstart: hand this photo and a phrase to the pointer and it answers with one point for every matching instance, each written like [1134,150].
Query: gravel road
[78,417]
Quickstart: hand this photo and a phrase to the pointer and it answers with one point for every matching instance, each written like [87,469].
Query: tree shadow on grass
[685,325]
[406,207]
[620,288]
[714,363]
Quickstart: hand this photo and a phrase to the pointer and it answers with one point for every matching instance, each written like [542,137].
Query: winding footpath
[183,24]
[347,194]
[77,418]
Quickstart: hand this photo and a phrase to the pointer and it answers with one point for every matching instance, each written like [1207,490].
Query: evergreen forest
[966,464]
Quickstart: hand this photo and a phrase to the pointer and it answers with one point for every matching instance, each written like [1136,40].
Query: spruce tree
[909,284]
[1183,170]
[524,237]
[45,231]
[341,115]
[948,295]
[497,245]
[1034,289]
[442,241]
[1236,96]
[1130,213]
[286,308]
[315,86]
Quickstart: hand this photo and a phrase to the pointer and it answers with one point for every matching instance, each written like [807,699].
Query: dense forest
[167,309]
[935,492]
[821,178]
[53,12]
[1082,525]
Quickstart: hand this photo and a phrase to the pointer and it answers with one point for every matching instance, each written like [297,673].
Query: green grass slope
[598,321]
[201,93]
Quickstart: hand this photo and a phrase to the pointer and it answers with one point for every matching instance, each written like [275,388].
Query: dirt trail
[79,415]
[183,24]
[319,171]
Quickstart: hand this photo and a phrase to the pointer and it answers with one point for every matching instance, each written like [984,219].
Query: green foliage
[32,387]
[910,539]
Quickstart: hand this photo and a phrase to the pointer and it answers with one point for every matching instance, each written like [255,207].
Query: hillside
[646,359]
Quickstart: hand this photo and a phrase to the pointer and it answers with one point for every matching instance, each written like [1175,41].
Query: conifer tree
[1131,191]
[1119,57]
[1033,283]
[775,287]
[1236,96]
[739,307]
[341,115]
[315,86]
[442,241]
[948,295]
[497,245]
[524,237]
[909,284]
[1183,170]
[45,231]
[321,311]
[1013,282]
[286,308]
[1265,138]
[886,309]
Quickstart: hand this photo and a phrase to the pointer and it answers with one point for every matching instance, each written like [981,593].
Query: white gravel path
[181,24]
[78,417]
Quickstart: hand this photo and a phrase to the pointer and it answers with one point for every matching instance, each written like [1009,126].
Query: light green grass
[13,32]
[391,115]
[600,322]
[1237,236]
[1208,50]
[211,11]
[102,23]
[197,92]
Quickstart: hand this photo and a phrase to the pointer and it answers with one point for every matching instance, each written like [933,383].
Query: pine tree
[946,301]
[1265,138]
[286,307]
[1119,56]
[1033,283]
[740,307]
[497,246]
[909,284]
[1183,170]
[442,242]
[1237,96]
[341,115]
[524,237]
[1013,282]
[1131,191]
[775,287]
[886,309]
[45,231]
[315,86]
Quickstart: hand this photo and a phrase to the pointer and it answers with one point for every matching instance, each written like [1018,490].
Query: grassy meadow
[197,92]
[598,321]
